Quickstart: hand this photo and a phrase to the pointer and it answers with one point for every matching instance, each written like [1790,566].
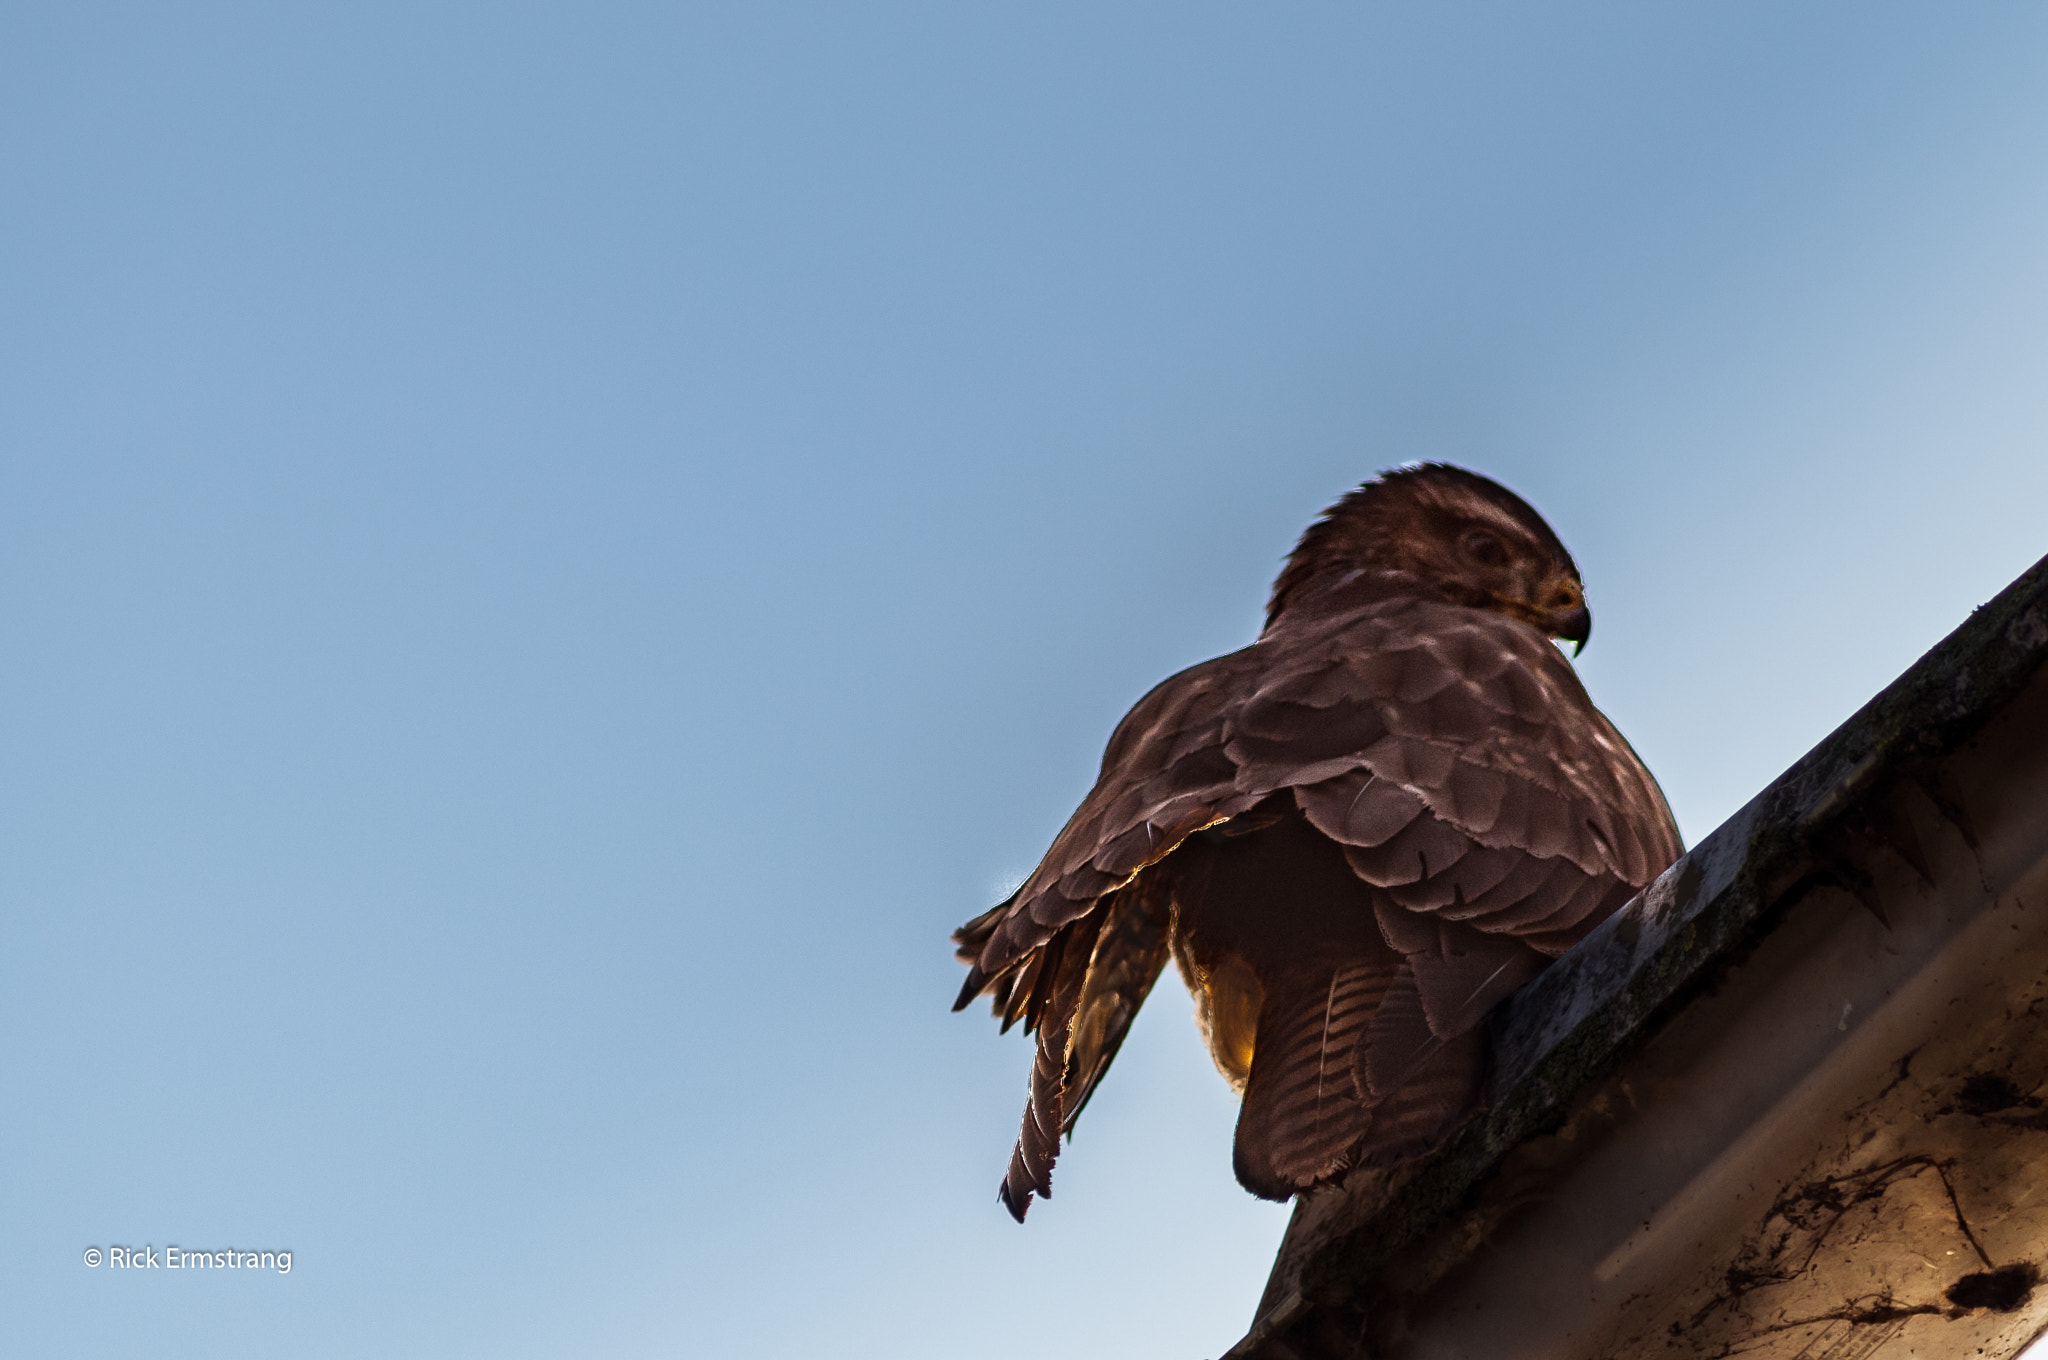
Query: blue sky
[549,554]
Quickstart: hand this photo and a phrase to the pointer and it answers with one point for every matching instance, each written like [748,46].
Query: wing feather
[1129,955]
[1038,1144]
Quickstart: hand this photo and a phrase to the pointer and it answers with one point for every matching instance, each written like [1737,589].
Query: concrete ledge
[1788,1103]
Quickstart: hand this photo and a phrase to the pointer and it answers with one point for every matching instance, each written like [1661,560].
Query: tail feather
[1417,1081]
[1349,1072]
[1438,1091]
[1397,1041]
[1302,1110]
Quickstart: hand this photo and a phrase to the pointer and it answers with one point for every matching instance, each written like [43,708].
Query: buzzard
[1353,837]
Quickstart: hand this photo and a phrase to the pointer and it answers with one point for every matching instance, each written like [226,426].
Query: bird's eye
[1484,548]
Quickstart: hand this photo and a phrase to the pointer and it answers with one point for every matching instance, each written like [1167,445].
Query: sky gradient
[548,555]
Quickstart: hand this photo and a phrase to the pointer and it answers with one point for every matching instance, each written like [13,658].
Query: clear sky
[548,555]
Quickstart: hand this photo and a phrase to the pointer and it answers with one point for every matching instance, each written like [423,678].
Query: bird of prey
[1353,837]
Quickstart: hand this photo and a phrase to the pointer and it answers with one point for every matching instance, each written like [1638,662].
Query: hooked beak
[1574,626]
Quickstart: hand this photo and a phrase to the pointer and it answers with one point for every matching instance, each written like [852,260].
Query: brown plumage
[1354,837]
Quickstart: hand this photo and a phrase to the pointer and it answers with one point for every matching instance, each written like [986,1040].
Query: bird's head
[1438,532]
